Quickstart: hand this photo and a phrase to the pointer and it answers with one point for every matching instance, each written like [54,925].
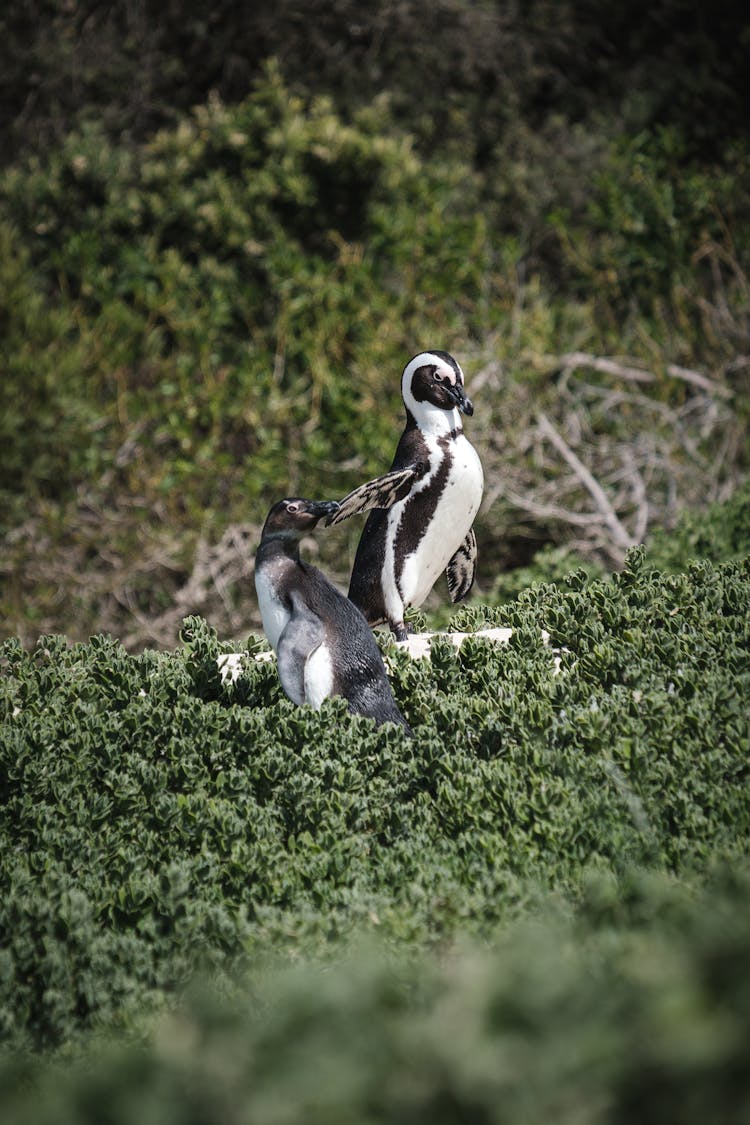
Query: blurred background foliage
[223,234]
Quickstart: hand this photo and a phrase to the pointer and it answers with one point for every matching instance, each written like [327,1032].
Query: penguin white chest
[274,614]
[318,676]
[447,525]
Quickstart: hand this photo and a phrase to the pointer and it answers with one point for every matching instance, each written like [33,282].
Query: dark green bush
[719,533]
[219,286]
[565,1020]
[651,219]
[45,417]
[458,71]
[154,819]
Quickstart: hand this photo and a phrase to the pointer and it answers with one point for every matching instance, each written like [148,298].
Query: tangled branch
[596,463]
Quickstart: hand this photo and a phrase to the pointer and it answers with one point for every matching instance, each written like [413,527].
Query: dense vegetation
[455,71]
[636,1010]
[222,236]
[575,815]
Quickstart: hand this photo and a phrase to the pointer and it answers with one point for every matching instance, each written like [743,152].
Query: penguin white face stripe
[450,373]
[430,417]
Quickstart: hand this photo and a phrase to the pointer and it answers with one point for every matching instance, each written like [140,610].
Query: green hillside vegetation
[210,283]
[574,815]
[637,1009]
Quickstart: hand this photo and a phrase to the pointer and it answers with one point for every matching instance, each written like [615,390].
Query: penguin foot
[399,630]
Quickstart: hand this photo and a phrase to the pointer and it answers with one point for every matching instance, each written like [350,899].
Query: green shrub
[565,1020]
[651,220]
[231,283]
[154,819]
[718,533]
[44,414]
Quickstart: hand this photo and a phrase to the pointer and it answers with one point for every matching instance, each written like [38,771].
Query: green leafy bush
[41,382]
[651,219]
[719,533]
[154,818]
[223,282]
[565,1019]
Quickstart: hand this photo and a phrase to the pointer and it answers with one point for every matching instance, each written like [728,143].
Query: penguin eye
[439,376]
[292,508]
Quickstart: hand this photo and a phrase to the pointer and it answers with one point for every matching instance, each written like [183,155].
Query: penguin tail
[382,710]
[398,718]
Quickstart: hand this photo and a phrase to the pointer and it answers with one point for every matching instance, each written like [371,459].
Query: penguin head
[433,391]
[293,517]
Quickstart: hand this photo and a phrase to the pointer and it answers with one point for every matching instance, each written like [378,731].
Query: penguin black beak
[462,400]
[321,508]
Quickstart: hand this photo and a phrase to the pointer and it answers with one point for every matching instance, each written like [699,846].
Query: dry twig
[635,374]
[607,514]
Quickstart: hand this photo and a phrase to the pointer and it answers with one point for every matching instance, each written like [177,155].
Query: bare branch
[639,494]
[589,482]
[632,373]
[607,366]
[552,511]
[697,380]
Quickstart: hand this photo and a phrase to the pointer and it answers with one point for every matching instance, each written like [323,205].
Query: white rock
[417,645]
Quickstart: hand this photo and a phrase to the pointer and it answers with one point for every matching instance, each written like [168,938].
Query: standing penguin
[322,642]
[425,506]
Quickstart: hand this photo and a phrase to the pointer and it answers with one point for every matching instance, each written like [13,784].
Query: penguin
[425,506]
[322,642]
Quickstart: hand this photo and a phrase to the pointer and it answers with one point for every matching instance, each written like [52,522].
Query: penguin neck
[279,546]
[434,422]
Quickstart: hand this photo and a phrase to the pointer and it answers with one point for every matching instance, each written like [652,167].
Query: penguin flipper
[300,638]
[461,568]
[382,492]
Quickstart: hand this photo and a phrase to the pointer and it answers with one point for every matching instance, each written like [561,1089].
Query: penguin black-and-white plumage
[425,506]
[322,642]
